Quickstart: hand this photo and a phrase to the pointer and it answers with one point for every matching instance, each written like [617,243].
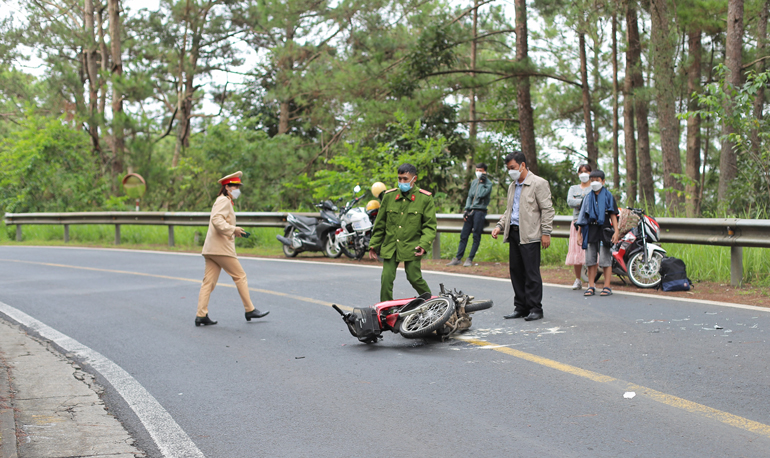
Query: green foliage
[365,165]
[751,138]
[560,175]
[46,166]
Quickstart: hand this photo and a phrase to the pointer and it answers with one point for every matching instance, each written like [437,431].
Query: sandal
[590,291]
[606,292]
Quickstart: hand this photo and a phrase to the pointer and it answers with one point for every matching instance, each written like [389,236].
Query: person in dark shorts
[598,223]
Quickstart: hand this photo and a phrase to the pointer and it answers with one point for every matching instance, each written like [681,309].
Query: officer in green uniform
[405,225]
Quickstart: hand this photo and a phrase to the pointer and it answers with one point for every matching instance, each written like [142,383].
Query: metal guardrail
[732,232]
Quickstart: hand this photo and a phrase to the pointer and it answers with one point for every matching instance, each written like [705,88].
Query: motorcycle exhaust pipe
[283,240]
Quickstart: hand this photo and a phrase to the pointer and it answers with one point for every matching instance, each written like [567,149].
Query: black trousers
[524,267]
[474,223]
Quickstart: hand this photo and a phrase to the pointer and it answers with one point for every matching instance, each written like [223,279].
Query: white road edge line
[434,272]
[171,440]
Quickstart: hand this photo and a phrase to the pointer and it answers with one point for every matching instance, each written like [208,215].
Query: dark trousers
[524,266]
[413,274]
[476,224]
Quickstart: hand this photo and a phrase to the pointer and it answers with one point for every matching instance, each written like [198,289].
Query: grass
[704,263]
[262,240]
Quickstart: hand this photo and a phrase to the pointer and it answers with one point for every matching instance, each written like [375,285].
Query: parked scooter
[307,233]
[355,228]
[636,255]
[414,318]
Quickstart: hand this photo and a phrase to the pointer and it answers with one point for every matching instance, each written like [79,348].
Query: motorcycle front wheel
[348,250]
[435,312]
[477,306]
[331,249]
[645,274]
[287,250]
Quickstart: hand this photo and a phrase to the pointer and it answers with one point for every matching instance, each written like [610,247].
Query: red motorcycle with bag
[636,255]
[414,318]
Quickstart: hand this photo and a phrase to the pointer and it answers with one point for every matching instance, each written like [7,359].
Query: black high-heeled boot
[255,314]
[204,320]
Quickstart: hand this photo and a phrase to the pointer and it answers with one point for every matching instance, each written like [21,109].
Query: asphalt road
[296,384]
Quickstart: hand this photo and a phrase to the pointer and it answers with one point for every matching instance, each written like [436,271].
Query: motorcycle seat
[307,220]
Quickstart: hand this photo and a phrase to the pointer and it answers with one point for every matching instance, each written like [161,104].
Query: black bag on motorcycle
[363,324]
[673,275]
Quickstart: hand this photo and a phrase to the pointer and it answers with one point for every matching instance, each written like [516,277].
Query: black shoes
[527,316]
[534,316]
[516,314]
[204,320]
[255,314]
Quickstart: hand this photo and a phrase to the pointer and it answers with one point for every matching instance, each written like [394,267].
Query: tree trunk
[104,58]
[641,109]
[728,163]
[664,46]
[523,96]
[759,100]
[283,119]
[472,128]
[593,152]
[185,102]
[692,160]
[118,121]
[633,51]
[93,76]
[615,147]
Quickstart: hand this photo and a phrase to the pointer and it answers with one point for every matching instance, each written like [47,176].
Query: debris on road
[629,395]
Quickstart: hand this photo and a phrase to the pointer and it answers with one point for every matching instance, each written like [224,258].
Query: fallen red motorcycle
[416,317]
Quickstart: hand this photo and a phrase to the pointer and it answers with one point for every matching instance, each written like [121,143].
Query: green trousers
[413,274]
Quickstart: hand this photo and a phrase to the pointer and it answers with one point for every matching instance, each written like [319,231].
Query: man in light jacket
[526,226]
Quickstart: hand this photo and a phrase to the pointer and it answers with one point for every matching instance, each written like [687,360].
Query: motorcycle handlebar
[334,306]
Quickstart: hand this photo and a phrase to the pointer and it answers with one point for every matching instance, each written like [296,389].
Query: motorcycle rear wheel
[287,250]
[435,313]
[645,275]
[584,274]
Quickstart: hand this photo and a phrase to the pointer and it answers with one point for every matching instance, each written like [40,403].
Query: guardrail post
[117,234]
[437,246]
[66,233]
[170,235]
[736,265]
[18,232]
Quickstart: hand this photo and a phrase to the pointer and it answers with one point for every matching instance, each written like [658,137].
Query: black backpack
[673,273]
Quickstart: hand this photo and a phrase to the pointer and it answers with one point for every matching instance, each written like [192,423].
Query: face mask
[515,174]
[479,174]
[596,185]
[404,187]
[235,193]
[584,177]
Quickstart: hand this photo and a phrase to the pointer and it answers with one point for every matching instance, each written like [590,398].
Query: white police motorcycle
[355,230]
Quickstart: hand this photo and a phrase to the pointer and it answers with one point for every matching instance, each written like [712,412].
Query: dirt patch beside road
[709,291]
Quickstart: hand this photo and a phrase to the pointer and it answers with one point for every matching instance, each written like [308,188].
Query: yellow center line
[168,277]
[596,377]
[663,398]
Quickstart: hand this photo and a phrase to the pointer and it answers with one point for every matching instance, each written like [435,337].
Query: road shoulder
[58,408]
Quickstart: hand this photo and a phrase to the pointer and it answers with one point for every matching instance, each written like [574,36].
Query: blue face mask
[405,187]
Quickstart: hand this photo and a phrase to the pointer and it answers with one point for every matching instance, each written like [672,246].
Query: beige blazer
[535,210]
[220,239]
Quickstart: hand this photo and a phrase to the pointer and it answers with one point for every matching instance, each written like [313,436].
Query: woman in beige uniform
[219,251]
